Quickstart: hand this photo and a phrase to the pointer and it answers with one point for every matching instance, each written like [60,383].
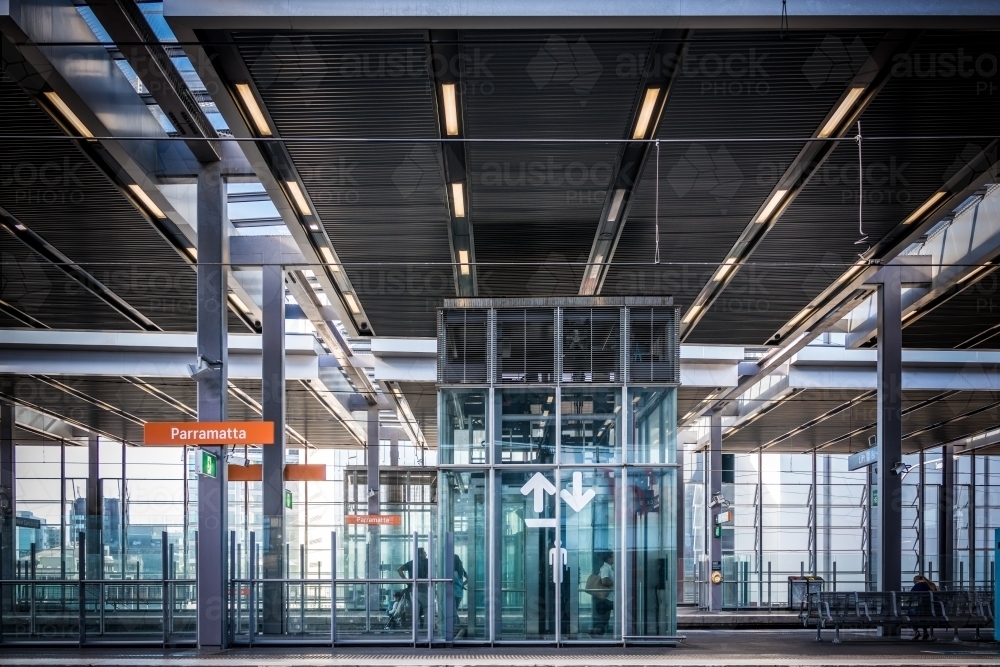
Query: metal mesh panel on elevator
[591,345]
[462,346]
[525,345]
[653,345]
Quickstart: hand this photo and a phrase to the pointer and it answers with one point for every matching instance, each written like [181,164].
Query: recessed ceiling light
[458,194]
[691,314]
[450,109]
[250,103]
[838,116]
[926,206]
[298,197]
[772,204]
[616,204]
[352,303]
[463,261]
[329,258]
[238,303]
[68,114]
[646,113]
[144,198]
[724,270]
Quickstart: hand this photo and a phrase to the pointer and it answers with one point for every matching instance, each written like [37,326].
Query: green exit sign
[208,464]
[288,499]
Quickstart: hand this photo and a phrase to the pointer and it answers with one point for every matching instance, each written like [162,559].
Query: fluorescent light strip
[144,198]
[329,258]
[68,114]
[458,194]
[595,269]
[972,274]
[250,103]
[646,113]
[724,270]
[771,205]
[240,306]
[838,116]
[450,109]
[352,303]
[798,318]
[463,261]
[298,197]
[926,206]
[616,204]
[691,314]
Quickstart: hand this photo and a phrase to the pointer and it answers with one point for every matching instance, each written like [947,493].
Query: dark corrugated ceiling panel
[35,287]
[819,229]
[383,204]
[64,198]
[732,85]
[536,206]
[969,313]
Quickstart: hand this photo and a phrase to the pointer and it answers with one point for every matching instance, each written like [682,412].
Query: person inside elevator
[406,572]
[604,602]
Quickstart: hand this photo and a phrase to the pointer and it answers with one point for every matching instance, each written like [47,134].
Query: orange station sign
[374,520]
[209,433]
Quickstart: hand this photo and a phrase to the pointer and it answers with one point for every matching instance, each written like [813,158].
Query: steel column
[681,526]
[946,518]
[213,259]
[890,430]
[95,511]
[273,456]
[374,496]
[8,541]
[715,487]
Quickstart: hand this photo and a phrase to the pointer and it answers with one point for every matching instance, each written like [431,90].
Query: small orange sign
[209,433]
[374,520]
[250,473]
[305,472]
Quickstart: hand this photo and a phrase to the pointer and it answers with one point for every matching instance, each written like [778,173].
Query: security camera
[900,468]
[719,500]
[872,441]
[203,368]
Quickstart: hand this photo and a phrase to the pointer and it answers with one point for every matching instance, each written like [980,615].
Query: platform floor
[743,648]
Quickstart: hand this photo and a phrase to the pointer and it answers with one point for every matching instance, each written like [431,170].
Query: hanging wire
[861,196]
[784,18]
[656,251]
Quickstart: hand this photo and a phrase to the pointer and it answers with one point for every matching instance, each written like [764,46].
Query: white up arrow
[579,498]
[540,486]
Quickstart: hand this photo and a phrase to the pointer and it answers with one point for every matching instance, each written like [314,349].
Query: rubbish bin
[799,589]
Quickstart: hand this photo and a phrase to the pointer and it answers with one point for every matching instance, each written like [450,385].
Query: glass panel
[463,512]
[652,552]
[462,426]
[589,425]
[590,535]
[527,533]
[526,425]
[653,434]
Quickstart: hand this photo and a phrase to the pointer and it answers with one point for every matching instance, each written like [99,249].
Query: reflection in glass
[462,426]
[652,552]
[526,428]
[463,512]
[589,425]
[653,434]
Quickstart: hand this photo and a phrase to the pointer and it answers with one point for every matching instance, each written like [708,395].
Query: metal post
[768,585]
[681,526]
[165,593]
[414,597]
[450,600]
[333,588]
[890,424]
[95,555]
[946,519]
[252,630]
[374,507]
[813,518]
[212,310]
[429,613]
[8,501]
[31,587]
[834,576]
[273,456]
[231,588]
[715,486]
[972,522]
[82,593]
[302,588]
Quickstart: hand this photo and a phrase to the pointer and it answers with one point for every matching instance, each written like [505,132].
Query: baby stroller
[398,615]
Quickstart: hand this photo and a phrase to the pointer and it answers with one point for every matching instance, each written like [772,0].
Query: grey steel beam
[273,456]
[444,47]
[213,533]
[135,38]
[669,46]
[582,15]
[946,518]
[8,497]
[714,460]
[890,429]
